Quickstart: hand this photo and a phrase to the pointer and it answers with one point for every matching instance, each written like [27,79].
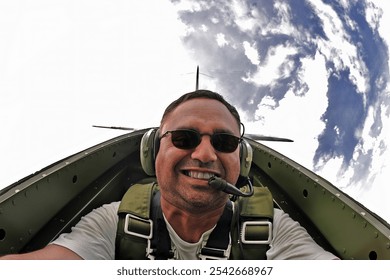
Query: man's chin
[205,198]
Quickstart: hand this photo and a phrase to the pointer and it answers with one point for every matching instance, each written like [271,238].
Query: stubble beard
[203,202]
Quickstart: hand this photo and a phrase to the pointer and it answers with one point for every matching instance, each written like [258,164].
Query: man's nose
[205,151]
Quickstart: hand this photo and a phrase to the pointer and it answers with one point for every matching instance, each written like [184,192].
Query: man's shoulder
[108,210]
[281,216]
[112,206]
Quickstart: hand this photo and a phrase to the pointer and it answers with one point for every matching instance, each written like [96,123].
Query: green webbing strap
[256,213]
[219,243]
[137,202]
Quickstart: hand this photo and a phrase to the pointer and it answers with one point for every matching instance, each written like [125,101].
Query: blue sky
[316,72]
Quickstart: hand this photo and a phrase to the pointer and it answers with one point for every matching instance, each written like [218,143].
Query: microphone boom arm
[222,185]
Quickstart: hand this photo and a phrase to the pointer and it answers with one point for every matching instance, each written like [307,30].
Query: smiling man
[198,139]
[188,202]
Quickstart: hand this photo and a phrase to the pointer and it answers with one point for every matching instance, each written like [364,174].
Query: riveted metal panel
[352,230]
[27,206]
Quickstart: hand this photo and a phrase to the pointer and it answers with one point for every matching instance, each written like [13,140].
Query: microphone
[222,185]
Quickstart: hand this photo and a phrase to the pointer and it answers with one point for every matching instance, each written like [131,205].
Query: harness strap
[253,225]
[217,246]
[219,243]
[142,231]
[160,242]
[134,225]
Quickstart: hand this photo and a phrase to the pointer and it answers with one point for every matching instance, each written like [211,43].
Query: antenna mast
[197,78]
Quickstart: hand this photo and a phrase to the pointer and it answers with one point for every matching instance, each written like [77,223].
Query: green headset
[150,144]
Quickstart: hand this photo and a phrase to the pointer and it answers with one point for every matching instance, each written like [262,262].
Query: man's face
[183,174]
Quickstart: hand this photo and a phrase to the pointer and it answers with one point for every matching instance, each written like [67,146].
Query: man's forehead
[200,111]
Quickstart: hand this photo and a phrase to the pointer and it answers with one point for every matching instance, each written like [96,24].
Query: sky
[316,72]
[68,65]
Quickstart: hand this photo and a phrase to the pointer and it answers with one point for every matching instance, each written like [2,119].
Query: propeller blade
[258,137]
[114,127]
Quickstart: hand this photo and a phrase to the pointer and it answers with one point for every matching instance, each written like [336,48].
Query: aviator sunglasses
[187,139]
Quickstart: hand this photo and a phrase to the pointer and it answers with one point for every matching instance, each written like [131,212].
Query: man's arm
[292,242]
[50,252]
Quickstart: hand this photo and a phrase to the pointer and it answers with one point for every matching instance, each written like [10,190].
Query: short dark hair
[201,94]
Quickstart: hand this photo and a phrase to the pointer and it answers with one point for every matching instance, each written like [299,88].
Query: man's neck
[190,226]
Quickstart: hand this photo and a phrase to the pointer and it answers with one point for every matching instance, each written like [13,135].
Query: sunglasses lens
[185,139]
[224,142]
[189,139]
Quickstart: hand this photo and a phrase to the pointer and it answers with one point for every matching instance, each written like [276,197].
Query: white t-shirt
[93,238]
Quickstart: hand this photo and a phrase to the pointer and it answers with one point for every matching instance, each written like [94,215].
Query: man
[190,206]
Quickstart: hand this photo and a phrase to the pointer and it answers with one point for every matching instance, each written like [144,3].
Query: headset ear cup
[246,155]
[148,150]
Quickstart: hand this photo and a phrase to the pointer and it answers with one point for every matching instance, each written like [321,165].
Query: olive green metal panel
[26,207]
[109,187]
[352,230]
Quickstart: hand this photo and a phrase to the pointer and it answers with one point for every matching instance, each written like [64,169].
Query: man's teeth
[199,175]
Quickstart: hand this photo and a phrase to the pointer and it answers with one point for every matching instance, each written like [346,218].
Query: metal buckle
[146,221]
[149,251]
[224,254]
[256,223]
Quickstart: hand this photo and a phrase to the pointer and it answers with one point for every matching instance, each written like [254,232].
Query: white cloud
[274,66]
[374,15]
[338,47]
[381,18]
[241,16]
[298,116]
[221,40]
[251,53]
[204,28]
